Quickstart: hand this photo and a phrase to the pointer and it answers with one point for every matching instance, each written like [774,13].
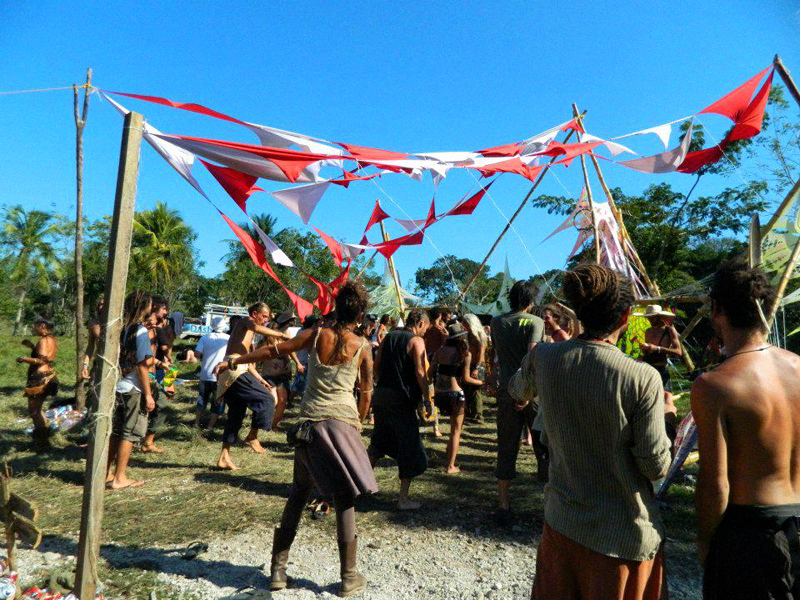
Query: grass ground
[184,499]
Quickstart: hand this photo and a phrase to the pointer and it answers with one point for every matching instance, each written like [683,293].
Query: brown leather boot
[281,542]
[352,581]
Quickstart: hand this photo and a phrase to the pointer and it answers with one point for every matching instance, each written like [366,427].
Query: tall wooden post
[393,272]
[107,358]
[787,78]
[80,339]
[508,225]
[588,187]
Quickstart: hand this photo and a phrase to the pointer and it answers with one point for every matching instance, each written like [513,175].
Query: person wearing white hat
[211,351]
[661,341]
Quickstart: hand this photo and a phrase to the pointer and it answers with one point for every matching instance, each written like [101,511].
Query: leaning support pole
[783,209]
[400,302]
[784,281]
[508,225]
[105,371]
[787,78]
[588,188]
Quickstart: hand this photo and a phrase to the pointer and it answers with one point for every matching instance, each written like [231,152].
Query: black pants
[755,554]
[247,392]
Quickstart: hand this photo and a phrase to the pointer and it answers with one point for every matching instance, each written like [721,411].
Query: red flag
[570,151]
[751,118]
[573,125]
[371,153]
[431,214]
[334,246]
[695,160]
[197,108]
[504,150]
[377,216]
[466,207]
[239,185]
[390,247]
[512,165]
[348,177]
[733,104]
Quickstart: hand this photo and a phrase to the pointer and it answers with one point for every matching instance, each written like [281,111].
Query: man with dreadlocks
[748,420]
[603,417]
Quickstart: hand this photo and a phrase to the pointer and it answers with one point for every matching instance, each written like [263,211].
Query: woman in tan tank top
[331,457]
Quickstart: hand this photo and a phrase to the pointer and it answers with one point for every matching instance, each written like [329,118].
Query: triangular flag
[665,162]
[334,246]
[377,215]
[303,199]
[238,185]
[734,103]
[751,118]
[466,207]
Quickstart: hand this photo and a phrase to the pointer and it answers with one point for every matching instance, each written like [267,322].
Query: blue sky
[407,76]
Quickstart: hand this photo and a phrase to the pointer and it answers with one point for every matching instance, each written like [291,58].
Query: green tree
[30,257]
[442,281]
[162,253]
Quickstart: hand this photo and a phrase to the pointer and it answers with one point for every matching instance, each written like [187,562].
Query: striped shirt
[603,415]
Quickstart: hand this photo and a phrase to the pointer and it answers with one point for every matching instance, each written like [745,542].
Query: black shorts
[449,403]
[510,424]
[284,381]
[207,398]
[396,433]
[754,554]
[247,392]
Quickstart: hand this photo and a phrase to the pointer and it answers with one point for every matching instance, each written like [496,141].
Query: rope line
[69,87]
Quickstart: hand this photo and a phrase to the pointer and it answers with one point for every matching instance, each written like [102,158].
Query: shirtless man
[244,387]
[748,420]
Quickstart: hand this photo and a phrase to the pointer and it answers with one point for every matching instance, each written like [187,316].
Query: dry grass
[185,499]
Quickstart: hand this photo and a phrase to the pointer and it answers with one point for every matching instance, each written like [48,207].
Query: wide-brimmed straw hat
[454,331]
[655,310]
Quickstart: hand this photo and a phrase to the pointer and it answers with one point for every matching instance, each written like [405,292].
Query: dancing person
[556,323]
[156,418]
[243,387]
[747,412]
[298,386]
[134,396]
[278,371]
[332,459]
[478,341]
[384,326]
[211,351]
[513,335]
[451,369]
[42,381]
[661,341]
[402,382]
[603,416]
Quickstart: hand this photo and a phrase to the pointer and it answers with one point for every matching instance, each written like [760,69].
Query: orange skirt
[566,570]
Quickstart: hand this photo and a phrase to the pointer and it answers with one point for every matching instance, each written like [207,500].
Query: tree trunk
[80,341]
[20,308]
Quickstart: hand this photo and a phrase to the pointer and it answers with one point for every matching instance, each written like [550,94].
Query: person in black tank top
[401,384]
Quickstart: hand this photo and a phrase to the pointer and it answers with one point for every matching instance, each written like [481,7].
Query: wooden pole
[588,188]
[787,78]
[787,275]
[787,203]
[367,264]
[508,226]
[107,358]
[393,273]
[80,338]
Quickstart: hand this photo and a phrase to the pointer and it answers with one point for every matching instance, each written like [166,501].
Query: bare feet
[226,464]
[255,446]
[408,504]
[121,485]
[152,448]
[437,433]
[452,470]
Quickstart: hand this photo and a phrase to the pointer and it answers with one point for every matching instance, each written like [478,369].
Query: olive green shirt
[603,415]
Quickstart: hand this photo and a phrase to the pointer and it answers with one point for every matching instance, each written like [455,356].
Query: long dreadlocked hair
[599,296]
[351,302]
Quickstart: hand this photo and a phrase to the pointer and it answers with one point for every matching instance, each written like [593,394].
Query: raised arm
[261,330]
[711,496]
[304,339]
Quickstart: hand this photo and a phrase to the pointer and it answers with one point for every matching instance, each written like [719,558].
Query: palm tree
[31,259]
[161,251]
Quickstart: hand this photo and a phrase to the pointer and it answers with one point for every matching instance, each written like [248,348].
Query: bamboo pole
[80,342]
[782,209]
[588,188]
[367,264]
[787,78]
[787,275]
[393,273]
[105,371]
[508,226]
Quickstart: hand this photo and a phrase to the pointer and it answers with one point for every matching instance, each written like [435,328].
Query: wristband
[232,363]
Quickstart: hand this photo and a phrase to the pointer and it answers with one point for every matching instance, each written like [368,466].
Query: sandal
[321,510]
[194,550]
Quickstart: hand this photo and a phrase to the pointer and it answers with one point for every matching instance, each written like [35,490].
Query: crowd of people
[601,423]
